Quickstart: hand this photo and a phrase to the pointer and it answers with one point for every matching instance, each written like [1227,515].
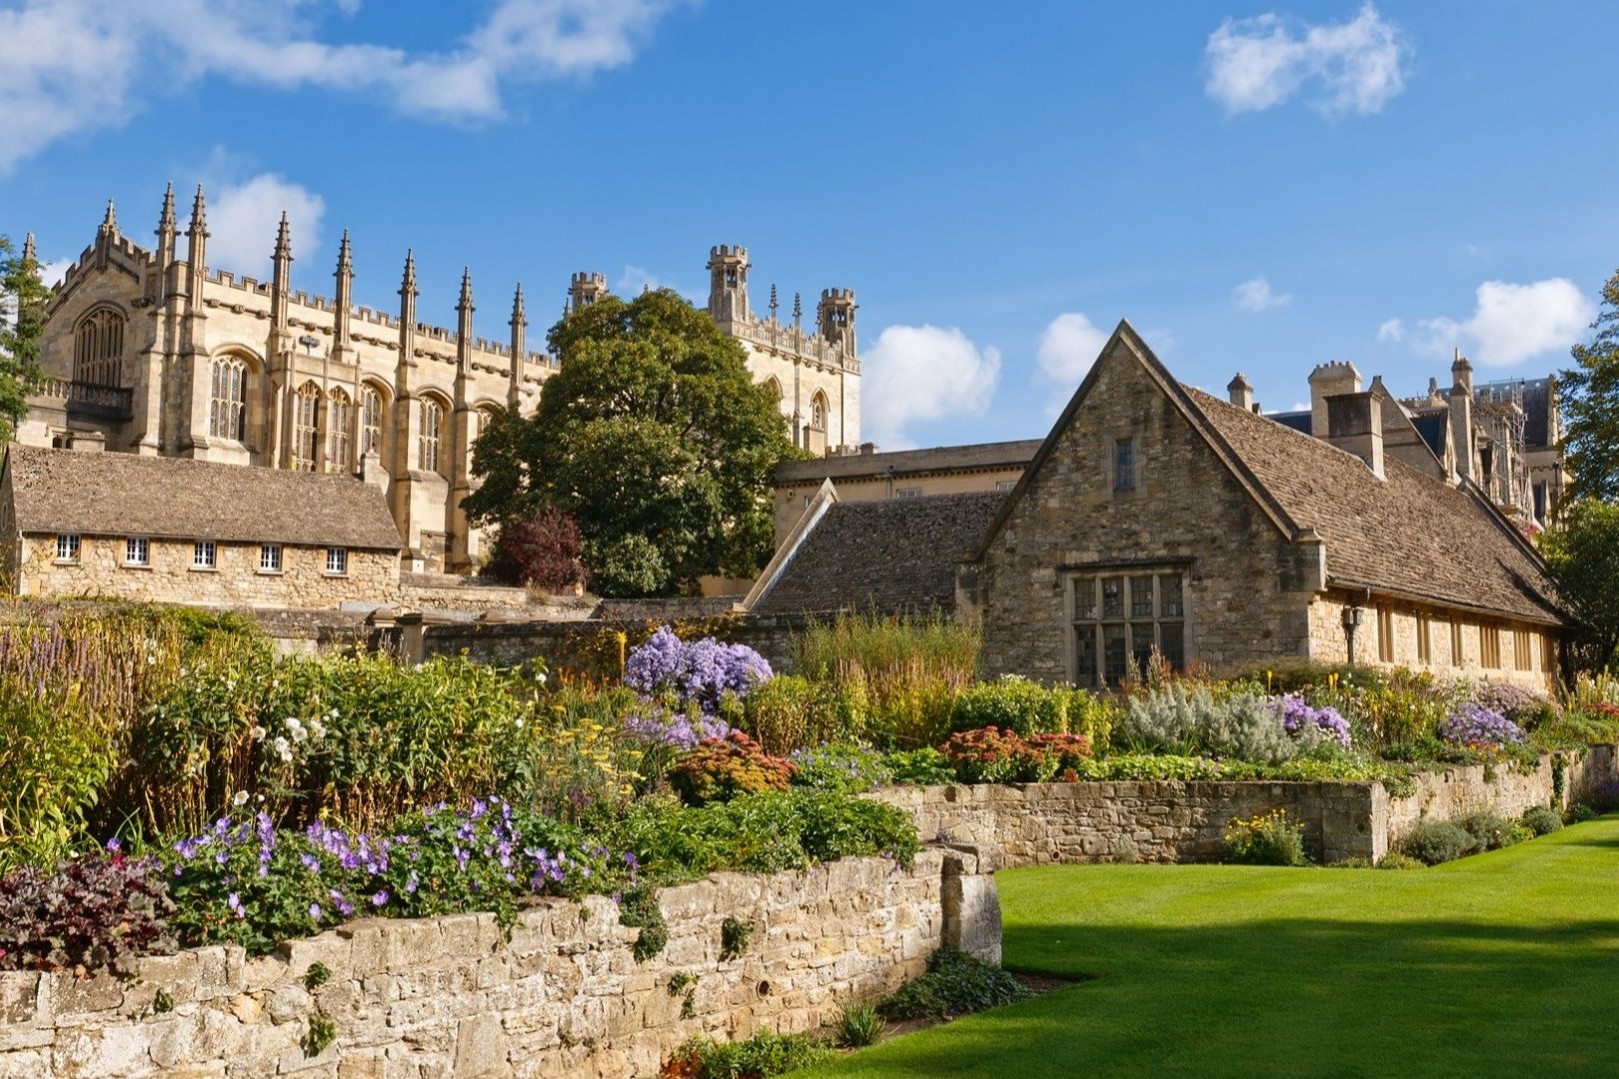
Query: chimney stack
[1329,380]
[1355,424]
[1241,392]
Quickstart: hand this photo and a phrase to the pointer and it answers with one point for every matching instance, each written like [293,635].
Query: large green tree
[1590,403]
[23,299]
[1583,560]
[654,437]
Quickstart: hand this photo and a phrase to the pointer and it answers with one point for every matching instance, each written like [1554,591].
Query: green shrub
[789,712]
[955,984]
[1489,831]
[1267,839]
[720,769]
[1090,714]
[1433,842]
[760,1056]
[922,767]
[1579,812]
[1395,860]
[859,1025]
[1542,820]
[850,769]
[1011,703]
[994,756]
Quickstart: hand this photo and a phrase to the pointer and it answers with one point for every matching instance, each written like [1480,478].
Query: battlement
[1334,369]
[728,252]
[837,295]
[587,278]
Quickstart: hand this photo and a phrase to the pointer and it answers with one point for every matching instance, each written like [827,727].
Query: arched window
[98,346]
[305,427]
[775,388]
[429,447]
[818,412]
[227,404]
[370,420]
[338,416]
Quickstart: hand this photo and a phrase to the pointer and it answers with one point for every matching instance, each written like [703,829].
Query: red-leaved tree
[541,548]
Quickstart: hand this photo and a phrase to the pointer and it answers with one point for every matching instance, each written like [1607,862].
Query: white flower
[540,678]
[239,798]
[259,733]
[283,748]
[317,728]
[332,714]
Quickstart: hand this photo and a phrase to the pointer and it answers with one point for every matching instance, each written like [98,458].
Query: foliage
[1491,832]
[1167,767]
[24,297]
[1542,820]
[1395,860]
[1523,706]
[764,1054]
[991,755]
[898,678]
[1266,839]
[923,767]
[543,548]
[316,975]
[955,984]
[1588,394]
[858,1026]
[1480,728]
[1240,722]
[1434,841]
[639,909]
[720,769]
[92,913]
[321,1033]
[1011,703]
[790,712]
[734,938]
[654,437]
[1305,722]
[698,672]
[844,767]
[1582,560]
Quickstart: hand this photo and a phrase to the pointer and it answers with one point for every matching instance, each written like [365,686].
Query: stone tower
[585,289]
[836,318]
[728,283]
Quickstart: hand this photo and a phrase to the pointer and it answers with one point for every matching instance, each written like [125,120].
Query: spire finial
[772,301]
[466,288]
[798,309]
[519,314]
[109,223]
[409,284]
[199,213]
[345,255]
[165,220]
[283,238]
[28,249]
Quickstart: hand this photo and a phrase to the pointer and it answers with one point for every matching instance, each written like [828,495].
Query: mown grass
[1502,964]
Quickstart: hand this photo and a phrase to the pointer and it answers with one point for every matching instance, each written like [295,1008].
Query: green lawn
[1501,964]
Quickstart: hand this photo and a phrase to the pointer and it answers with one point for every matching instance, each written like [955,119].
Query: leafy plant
[850,769]
[638,909]
[734,937]
[1010,703]
[317,975]
[542,548]
[321,1032]
[1266,839]
[758,1057]
[1433,842]
[1491,832]
[93,913]
[955,984]
[720,769]
[859,1025]
[995,756]
[1542,820]
[926,766]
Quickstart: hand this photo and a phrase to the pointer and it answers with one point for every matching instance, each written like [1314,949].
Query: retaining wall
[562,996]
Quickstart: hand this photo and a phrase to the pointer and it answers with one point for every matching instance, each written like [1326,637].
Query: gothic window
[818,412]
[305,427]
[430,444]
[1121,619]
[337,432]
[1124,464]
[370,420]
[98,345]
[227,406]
[775,388]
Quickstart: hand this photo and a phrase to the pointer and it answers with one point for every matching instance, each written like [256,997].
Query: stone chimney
[86,441]
[1461,417]
[1329,380]
[1241,392]
[1355,424]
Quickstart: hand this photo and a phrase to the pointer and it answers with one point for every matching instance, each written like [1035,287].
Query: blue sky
[1256,186]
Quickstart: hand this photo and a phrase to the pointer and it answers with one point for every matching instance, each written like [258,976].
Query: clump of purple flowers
[1481,728]
[699,672]
[1302,720]
[658,726]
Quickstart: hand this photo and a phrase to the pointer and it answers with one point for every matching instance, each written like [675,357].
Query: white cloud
[242,221]
[1256,296]
[71,65]
[918,373]
[1068,347]
[1513,322]
[1391,330]
[1350,67]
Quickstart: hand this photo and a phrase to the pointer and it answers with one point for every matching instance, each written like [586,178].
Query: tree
[23,299]
[654,437]
[1590,403]
[540,548]
[1583,562]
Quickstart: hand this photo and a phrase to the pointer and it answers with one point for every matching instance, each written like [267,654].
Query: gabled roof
[892,556]
[1407,534]
[124,494]
[983,455]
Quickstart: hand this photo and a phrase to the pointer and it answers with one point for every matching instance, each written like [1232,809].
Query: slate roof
[1431,425]
[910,462]
[1408,534]
[892,556]
[124,494]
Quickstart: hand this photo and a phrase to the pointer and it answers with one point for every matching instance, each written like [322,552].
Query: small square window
[908,492]
[67,547]
[1124,464]
[137,551]
[337,560]
[269,558]
[204,555]
[1005,485]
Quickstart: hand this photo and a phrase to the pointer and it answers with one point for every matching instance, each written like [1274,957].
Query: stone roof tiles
[125,494]
[910,462]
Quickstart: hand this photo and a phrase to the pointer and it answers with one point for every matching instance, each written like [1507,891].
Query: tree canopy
[1590,404]
[23,299]
[1583,561]
[653,436]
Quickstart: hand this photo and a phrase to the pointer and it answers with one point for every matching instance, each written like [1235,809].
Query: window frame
[1385,634]
[143,544]
[1523,651]
[1116,618]
[1122,465]
[69,546]
[1489,647]
[430,440]
[271,562]
[204,556]
[227,400]
[337,561]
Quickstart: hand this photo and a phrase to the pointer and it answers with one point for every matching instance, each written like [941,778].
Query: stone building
[79,522]
[164,356]
[1156,516]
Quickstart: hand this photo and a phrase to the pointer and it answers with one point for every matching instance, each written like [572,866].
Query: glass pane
[1169,596]
[1085,655]
[1112,597]
[1172,643]
[1084,599]
[1142,640]
[1140,597]
[1124,465]
[1113,653]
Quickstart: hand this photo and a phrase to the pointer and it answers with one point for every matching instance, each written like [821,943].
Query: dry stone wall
[562,995]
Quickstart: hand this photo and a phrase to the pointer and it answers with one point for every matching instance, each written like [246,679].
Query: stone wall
[1046,823]
[561,996]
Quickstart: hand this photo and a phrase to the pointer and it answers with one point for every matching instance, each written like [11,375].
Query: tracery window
[98,346]
[227,405]
[305,427]
[1121,618]
[430,444]
[370,420]
[337,432]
